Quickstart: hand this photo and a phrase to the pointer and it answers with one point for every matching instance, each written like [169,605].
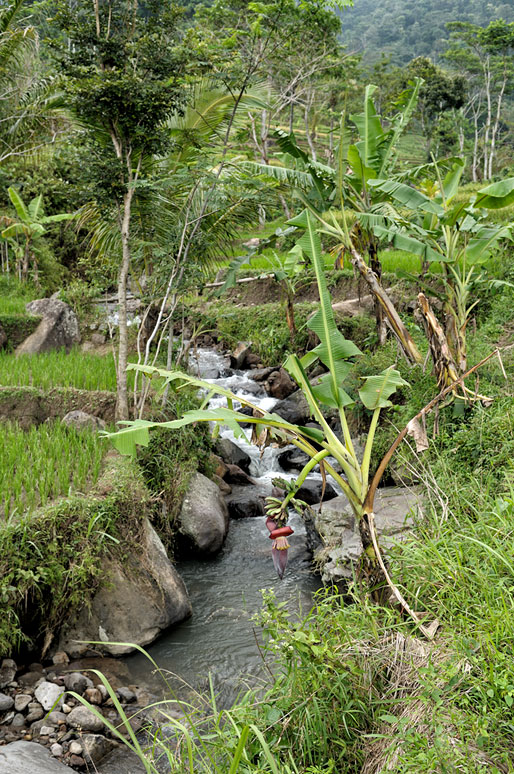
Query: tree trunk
[496,124]
[445,367]
[487,79]
[376,267]
[122,409]
[400,331]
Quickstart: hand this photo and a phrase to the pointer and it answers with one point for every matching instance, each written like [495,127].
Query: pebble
[60,658]
[30,678]
[77,682]
[56,717]
[57,750]
[126,695]
[76,760]
[22,701]
[66,708]
[46,730]
[81,717]
[6,702]
[18,720]
[75,748]
[93,695]
[48,694]
[8,718]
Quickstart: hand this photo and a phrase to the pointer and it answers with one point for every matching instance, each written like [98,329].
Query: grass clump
[84,371]
[51,559]
[45,462]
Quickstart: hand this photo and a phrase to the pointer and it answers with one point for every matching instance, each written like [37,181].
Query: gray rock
[339,532]
[46,730]
[18,720]
[22,701]
[311,490]
[58,328]
[75,748]
[245,502]
[232,454]
[56,717]
[36,712]
[49,694]
[6,702]
[29,758]
[235,475]
[126,695]
[7,672]
[135,604]
[82,717]
[95,747]
[121,760]
[239,355]
[292,459]
[80,420]
[203,518]
[60,659]
[77,682]
[57,750]
[30,678]
[294,409]
[261,374]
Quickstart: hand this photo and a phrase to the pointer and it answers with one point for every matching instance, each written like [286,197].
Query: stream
[220,639]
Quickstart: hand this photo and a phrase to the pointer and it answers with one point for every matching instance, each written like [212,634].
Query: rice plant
[45,462]
[85,371]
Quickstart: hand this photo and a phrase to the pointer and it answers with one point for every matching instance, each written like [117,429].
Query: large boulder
[29,758]
[245,502]
[334,532]
[59,327]
[203,518]
[294,409]
[137,602]
[231,454]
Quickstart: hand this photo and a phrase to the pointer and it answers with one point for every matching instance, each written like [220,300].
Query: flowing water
[220,639]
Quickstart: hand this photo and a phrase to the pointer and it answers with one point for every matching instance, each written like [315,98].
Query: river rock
[239,355]
[95,747]
[22,701]
[340,544]
[292,459]
[261,374]
[137,602]
[29,758]
[231,454]
[203,518]
[235,475]
[80,420]
[121,760]
[83,718]
[49,694]
[6,702]
[77,682]
[294,409]
[311,490]
[58,328]
[7,672]
[245,502]
[279,384]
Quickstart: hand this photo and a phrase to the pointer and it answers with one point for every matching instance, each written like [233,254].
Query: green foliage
[44,462]
[16,326]
[403,30]
[78,369]
[51,560]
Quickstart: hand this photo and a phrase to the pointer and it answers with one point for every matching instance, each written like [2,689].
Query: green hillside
[404,29]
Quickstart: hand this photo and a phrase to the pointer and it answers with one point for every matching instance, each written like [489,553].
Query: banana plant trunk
[376,267]
[407,344]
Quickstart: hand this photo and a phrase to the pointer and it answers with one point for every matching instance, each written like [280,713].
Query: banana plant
[24,232]
[322,444]
[456,232]
[338,197]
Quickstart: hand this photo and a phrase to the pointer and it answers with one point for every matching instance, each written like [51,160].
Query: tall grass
[78,369]
[14,294]
[44,462]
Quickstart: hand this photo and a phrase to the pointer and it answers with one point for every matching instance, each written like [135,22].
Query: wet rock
[49,694]
[231,454]
[239,355]
[80,420]
[311,491]
[58,328]
[235,475]
[83,718]
[280,385]
[7,672]
[294,409]
[245,502]
[138,601]
[203,518]
[261,374]
[222,485]
[6,702]
[77,682]
[21,701]
[30,678]
[292,459]
[29,758]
